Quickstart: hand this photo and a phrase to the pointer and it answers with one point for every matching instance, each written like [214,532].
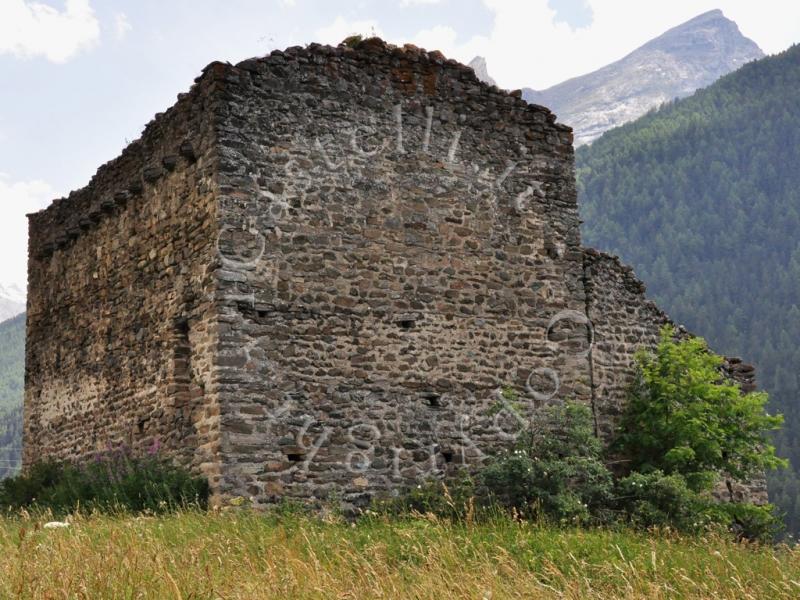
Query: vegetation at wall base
[685,424]
[684,417]
[546,519]
[113,480]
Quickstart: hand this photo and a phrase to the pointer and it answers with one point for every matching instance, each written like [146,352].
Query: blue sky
[80,78]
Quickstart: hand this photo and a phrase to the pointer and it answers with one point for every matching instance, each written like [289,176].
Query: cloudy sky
[81,77]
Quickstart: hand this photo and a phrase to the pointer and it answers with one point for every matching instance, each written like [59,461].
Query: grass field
[241,554]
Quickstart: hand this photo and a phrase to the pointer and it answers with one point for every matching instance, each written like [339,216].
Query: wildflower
[154,448]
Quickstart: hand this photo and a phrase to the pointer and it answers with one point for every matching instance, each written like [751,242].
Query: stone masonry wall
[313,275]
[399,241]
[121,316]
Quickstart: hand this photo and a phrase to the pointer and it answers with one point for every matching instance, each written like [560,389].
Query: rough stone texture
[120,335]
[312,275]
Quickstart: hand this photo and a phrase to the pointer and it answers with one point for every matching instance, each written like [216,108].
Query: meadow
[243,554]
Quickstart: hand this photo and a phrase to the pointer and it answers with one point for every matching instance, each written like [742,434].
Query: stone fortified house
[311,275]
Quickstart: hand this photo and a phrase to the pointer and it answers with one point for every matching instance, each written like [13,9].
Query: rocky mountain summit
[12,301]
[673,65]
[478,65]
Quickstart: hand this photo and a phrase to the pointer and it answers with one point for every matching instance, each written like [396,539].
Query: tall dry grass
[246,555]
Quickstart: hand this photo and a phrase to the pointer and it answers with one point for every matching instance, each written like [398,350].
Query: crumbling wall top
[167,140]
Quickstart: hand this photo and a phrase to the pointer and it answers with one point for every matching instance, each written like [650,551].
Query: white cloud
[436,38]
[29,29]
[342,28]
[121,26]
[17,198]
[414,2]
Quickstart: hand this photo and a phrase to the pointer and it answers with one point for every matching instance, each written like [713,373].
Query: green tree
[685,417]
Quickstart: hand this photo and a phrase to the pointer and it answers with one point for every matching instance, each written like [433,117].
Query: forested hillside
[12,368]
[702,197]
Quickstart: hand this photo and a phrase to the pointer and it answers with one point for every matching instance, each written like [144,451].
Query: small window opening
[433,399]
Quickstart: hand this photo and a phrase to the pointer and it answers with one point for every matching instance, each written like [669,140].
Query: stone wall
[121,313]
[312,276]
[623,321]
[399,239]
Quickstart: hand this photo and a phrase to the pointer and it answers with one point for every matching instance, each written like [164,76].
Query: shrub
[115,479]
[555,470]
[352,40]
[454,500]
[748,521]
[658,500]
[685,417]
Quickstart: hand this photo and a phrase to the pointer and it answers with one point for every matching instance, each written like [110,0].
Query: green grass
[241,554]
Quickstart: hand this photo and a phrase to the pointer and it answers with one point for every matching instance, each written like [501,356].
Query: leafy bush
[554,471]
[685,417]
[685,424]
[658,500]
[453,500]
[748,521]
[352,40]
[115,479]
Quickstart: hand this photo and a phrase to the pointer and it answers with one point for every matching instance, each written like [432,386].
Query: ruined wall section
[121,318]
[398,242]
[625,321]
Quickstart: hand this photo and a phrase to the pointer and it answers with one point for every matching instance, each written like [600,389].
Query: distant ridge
[673,65]
[12,301]
[12,372]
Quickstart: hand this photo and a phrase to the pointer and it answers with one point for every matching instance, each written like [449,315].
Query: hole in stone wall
[406,324]
[181,353]
[182,328]
[293,457]
[433,399]
[447,455]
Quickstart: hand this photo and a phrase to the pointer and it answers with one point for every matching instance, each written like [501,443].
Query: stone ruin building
[311,275]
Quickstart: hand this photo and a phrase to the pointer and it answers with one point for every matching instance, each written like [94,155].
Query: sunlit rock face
[673,65]
[478,65]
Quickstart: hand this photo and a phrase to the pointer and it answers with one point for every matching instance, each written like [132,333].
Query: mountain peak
[478,65]
[715,13]
[712,26]
[673,65]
